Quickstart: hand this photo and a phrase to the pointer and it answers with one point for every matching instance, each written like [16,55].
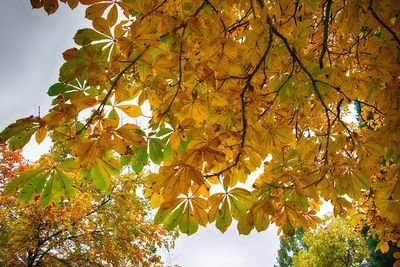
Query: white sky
[31,49]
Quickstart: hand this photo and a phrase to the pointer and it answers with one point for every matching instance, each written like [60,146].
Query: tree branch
[313,81]
[384,25]
[179,84]
[100,108]
[243,107]
[326,32]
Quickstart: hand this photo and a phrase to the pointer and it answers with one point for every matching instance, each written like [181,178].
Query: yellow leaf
[131,110]
[40,134]
[155,200]
[102,26]
[383,246]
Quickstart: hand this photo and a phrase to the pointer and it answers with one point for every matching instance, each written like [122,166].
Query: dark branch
[313,81]
[327,16]
[384,25]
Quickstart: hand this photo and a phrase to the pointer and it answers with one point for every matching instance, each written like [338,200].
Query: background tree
[377,257]
[333,243]
[289,247]
[88,229]
[230,84]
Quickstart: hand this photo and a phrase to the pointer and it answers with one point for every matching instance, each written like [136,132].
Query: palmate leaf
[131,110]
[156,150]
[78,65]
[223,206]
[87,36]
[59,88]
[186,213]
[49,183]
[140,160]
[19,133]
[224,217]
[103,171]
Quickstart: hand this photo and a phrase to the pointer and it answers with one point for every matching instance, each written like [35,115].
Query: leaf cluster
[211,91]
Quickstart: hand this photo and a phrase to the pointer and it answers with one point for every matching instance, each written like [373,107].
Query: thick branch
[326,32]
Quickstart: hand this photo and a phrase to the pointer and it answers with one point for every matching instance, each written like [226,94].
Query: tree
[377,257]
[333,244]
[289,247]
[228,87]
[88,229]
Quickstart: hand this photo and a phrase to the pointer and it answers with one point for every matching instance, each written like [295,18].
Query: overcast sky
[31,53]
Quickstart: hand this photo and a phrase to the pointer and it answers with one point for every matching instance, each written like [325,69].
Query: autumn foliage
[333,244]
[88,229]
[213,90]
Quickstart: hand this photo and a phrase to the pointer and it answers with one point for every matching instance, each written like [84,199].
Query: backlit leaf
[131,110]
[156,150]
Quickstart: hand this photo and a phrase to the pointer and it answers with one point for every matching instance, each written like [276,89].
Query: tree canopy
[289,247]
[88,229]
[333,244]
[213,90]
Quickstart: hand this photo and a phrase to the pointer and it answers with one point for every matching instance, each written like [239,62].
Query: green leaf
[172,220]
[224,218]
[19,133]
[113,114]
[163,131]
[50,183]
[167,39]
[51,191]
[187,222]
[34,185]
[165,209]
[87,36]
[245,224]
[245,197]
[71,69]
[140,160]
[23,179]
[59,88]
[66,184]
[183,145]
[103,171]
[168,152]
[241,200]
[261,220]
[125,159]
[156,150]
